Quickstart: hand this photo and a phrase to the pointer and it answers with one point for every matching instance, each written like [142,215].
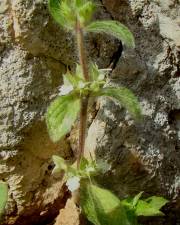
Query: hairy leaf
[101,207]
[156,202]
[125,97]
[55,10]
[86,12]
[145,209]
[113,28]
[3,196]
[83,163]
[60,164]
[136,199]
[67,12]
[61,115]
[148,207]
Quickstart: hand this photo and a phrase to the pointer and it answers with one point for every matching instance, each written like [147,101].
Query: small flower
[64,89]
[73,183]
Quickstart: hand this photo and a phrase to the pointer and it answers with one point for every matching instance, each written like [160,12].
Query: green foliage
[63,111]
[67,12]
[150,206]
[60,164]
[96,74]
[61,115]
[3,196]
[156,202]
[147,207]
[113,28]
[86,169]
[136,199]
[125,97]
[101,207]
[57,13]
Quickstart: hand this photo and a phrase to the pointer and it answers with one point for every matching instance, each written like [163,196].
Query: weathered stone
[69,215]
[145,155]
[35,51]
[27,84]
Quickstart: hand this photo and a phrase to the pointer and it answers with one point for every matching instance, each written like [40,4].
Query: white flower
[65,89]
[73,183]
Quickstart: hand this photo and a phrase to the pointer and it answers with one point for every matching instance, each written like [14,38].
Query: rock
[35,52]
[143,156]
[69,215]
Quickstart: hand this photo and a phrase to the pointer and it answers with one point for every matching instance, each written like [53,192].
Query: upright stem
[84,101]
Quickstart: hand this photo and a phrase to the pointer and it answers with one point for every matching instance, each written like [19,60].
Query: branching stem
[84,101]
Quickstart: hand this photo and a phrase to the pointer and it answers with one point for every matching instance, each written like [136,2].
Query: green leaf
[61,115]
[70,79]
[3,196]
[136,199]
[83,163]
[86,11]
[62,13]
[68,10]
[101,207]
[55,10]
[145,209]
[94,72]
[113,28]
[125,97]
[60,164]
[156,202]
[130,210]
[148,207]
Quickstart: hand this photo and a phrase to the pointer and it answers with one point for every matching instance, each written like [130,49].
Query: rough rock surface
[144,156]
[34,52]
[69,215]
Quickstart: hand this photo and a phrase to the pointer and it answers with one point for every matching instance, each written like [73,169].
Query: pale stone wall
[34,52]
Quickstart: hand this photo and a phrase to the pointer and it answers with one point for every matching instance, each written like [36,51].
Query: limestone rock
[144,156]
[35,51]
[69,215]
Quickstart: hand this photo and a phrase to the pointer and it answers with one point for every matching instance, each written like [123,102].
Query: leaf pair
[72,174]
[64,110]
[148,207]
[101,207]
[86,168]
[68,12]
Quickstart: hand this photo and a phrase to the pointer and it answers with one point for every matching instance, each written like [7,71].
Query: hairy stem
[84,101]
[82,129]
[81,50]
